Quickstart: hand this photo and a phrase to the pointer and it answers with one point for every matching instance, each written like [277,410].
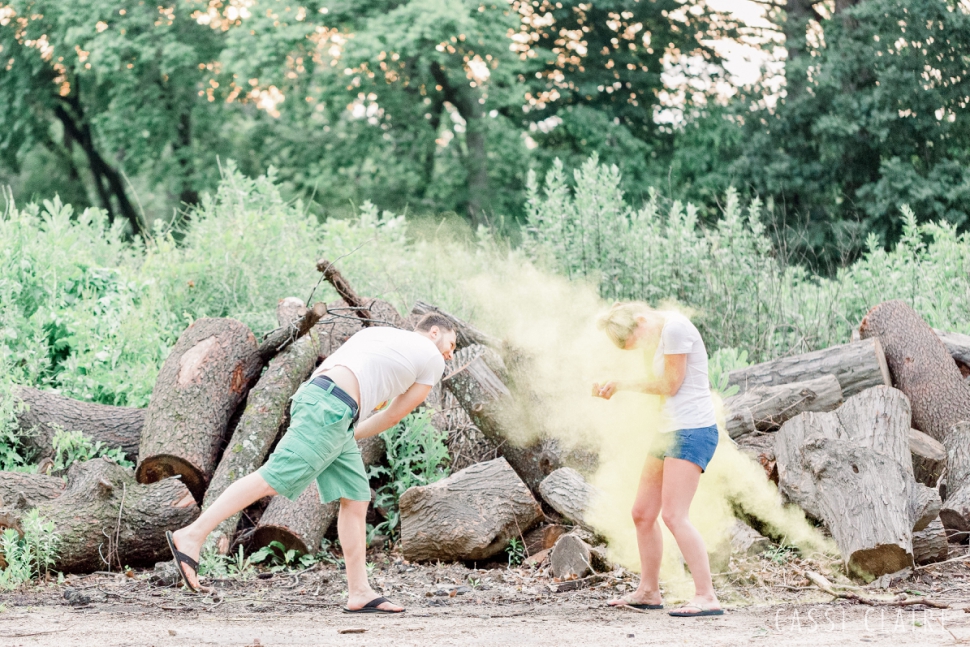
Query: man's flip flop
[645,606]
[182,558]
[700,612]
[372,607]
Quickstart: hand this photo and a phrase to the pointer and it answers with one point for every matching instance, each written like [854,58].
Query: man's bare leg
[352,530]
[237,496]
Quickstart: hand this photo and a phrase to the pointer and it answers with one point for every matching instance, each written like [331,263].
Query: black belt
[324,383]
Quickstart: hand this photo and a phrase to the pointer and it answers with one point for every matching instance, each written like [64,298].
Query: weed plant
[29,555]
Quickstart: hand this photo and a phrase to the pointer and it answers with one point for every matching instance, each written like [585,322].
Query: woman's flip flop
[182,558]
[372,607]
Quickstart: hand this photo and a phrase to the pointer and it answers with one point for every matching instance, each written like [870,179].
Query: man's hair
[432,319]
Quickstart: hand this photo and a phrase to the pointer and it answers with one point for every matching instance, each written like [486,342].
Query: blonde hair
[620,320]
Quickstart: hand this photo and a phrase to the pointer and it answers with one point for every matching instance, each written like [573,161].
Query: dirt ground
[768,604]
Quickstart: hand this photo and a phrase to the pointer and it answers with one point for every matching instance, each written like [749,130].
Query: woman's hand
[605,391]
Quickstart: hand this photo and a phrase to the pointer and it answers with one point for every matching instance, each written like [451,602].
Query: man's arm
[400,406]
[675,369]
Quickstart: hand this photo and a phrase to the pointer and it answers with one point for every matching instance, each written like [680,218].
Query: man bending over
[375,367]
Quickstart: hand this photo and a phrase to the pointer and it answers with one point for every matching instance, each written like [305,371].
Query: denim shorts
[695,445]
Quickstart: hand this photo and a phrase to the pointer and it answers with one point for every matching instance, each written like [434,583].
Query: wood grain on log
[920,367]
[116,427]
[105,519]
[858,366]
[929,457]
[467,335]
[471,515]
[766,408]
[955,513]
[22,491]
[568,493]
[259,426]
[206,376]
[929,544]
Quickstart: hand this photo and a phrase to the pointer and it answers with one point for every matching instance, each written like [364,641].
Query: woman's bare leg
[646,510]
[680,479]
[237,496]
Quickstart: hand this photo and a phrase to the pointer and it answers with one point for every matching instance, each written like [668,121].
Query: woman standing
[685,446]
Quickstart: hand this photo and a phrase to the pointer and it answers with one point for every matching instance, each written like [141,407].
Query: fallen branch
[821,582]
[343,288]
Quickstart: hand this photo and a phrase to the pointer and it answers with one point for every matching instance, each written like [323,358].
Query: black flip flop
[182,558]
[372,607]
[699,614]
[645,606]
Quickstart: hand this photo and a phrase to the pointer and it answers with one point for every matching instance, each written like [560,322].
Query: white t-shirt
[691,406]
[386,362]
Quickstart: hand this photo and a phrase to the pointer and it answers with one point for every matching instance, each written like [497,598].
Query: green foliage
[720,363]
[516,551]
[73,446]
[277,558]
[416,455]
[31,555]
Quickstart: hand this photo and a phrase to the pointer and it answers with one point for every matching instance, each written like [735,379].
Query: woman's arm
[675,369]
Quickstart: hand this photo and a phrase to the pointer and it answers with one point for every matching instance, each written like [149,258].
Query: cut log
[21,491]
[467,335]
[955,513]
[766,408]
[929,544]
[568,493]
[299,525]
[745,540]
[858,366]
[116,427]
[852,469]
[570,558]
[929,458]
[259,426]
[206,376]
[476,383]
[958,346]
[106,520]
[920,367]
[287,333]
[543,538]
[470,515]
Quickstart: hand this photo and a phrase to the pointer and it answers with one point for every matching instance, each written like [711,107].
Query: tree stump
[766,408]
[22,491]
[568,493]
[105,519]
[929,544]
[955,513]
[858,366]
[920,367]
[206,376]
[570,558]
[116,427]
[929,458]
[259,426]
[471,515]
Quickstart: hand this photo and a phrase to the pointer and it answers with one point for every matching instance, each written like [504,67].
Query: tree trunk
[920,367]
[929,458]
[929,544]
[483,394]
[858,366]
[22,491]
[767,408]
[955,513]
[107,520]
[259,426]
[466,333]
[958,346]
[206,376]
[299,525]
[471,515]
[852,469]
[568,493]
[116,427]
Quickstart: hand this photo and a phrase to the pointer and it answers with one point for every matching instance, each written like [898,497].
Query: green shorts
[319,445]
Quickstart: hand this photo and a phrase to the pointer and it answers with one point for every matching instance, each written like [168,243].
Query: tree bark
[206,376]
[467,335]
[471,515]
[858,366]
[116,427]
[22,491]
[920,367]
[767,408]
[299,525]
[929,544]
[955,513]
[107,520]
[259,426]
[958,346]
[568,493]
[488,401]
[929,458]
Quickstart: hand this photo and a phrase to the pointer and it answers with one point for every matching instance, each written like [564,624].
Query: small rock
[351,631]
[165,574]
[172,632]
[462,590]
[76,598]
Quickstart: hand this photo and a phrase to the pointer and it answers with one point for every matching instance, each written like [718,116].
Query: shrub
[30,555]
